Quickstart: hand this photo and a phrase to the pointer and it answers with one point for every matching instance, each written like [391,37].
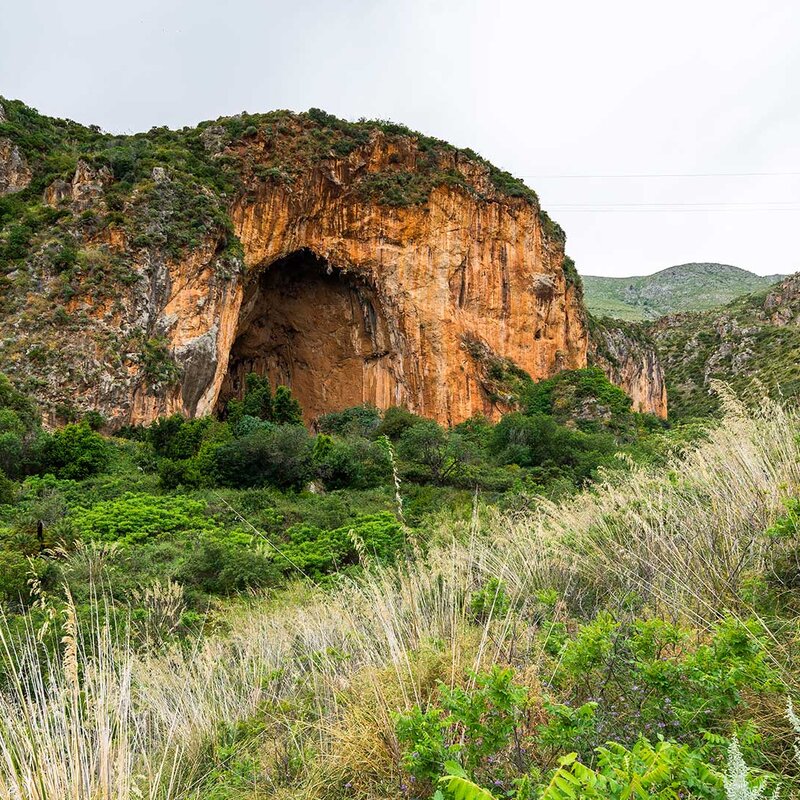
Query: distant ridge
[685,287]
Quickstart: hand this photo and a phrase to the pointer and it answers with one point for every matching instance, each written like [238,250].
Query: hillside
[753,338]
[356,262]
[686,287]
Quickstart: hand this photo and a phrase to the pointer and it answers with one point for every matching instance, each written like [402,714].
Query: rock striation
[628,356]
[354,262]
[350,301]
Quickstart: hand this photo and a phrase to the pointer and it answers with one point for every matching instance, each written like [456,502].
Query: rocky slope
[686,287]
[753,344]
[627,355]
[357,262]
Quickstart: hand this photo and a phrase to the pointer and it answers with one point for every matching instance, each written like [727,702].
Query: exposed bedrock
[349,301]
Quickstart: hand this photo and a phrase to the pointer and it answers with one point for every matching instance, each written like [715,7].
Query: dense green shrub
[471,726]
[176,437]
[350,463]
[434,453]
[14,573]
[75,452]
[257,400]
[317,552]
[285,408]
[396,420]
[134,518]
[8,489]
[662,682]
[355,421]
[222,564]
[281,457]
[577,393]
[539,441]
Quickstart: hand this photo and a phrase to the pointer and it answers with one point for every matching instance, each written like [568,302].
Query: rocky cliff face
[629,359]
[377,267]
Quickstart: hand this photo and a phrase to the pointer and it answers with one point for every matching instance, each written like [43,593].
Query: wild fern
[464,789]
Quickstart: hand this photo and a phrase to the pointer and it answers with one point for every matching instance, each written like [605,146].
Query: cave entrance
[315,328]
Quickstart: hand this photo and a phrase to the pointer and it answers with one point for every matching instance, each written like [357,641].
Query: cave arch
[318,329]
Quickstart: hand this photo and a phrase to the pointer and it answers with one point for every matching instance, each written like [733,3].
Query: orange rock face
[349,301]
[632,364]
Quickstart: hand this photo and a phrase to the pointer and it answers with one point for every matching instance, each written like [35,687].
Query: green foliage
[662,771]
[355,462]
[360,420]
[396,420]
[490,601]
[8,489]
[158,365]
[567,393]
[647,677]
[285,408]
[75,452]
[220,564]
[176,437]
[14,573]
[538,441]
[258,397]
[281,457]
[134,518]
[471,726]
[433,453]
[319,552]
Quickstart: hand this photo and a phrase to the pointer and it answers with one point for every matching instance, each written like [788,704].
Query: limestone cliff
[355,262]
[629,359]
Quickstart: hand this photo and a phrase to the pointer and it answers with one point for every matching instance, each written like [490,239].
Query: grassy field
[654,610]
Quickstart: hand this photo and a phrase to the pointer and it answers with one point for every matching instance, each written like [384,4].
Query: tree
[442,454]
[281,457]
[355,421]
[285,408]
[75,452]
[257,397]
[396,420]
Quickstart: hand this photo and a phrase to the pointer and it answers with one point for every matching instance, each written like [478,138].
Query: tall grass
[103,719]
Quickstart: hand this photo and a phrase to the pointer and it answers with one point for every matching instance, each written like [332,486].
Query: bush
[75,452]
[474,726]
[134,518]
[663,682]
[176,437]
[350,463]
[539,441]
[580,393]
[317,552]
[257,398]
[14,571]
[395,421]
[8,489]
[437,454]
[285,408]
[219,564]
[356,421]
[281,457]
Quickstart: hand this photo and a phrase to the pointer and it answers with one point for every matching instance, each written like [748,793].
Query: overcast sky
[542,89]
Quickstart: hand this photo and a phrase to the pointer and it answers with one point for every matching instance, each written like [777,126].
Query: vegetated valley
[564,599]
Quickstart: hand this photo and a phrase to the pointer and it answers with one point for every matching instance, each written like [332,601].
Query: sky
[639,124]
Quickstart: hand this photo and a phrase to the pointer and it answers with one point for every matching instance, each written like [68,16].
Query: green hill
[686,287]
